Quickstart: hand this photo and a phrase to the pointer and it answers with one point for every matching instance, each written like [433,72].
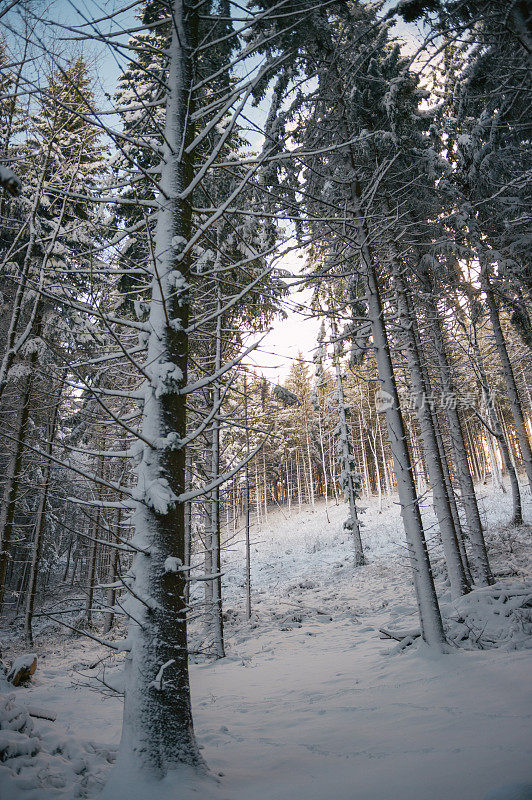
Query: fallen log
[399,636]
[41,713]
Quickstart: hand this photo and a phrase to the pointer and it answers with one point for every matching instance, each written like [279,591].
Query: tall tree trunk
[298,481]
[208,562]
[258,493]
[310,471]
[442,509]
[112,574]
[110,599]
[496,474]
[39,525]
[324,468]
[517,512]
[429,611]
[509,378]
[11,491]
[91,567]
[367,483]
[246,507]
[288,483]
[188,524]
[157,732]
[216,601]
[69,553]
[372,441]
[265,486]
[347,462]
[479,555]
[332,470]
[102,471]
[427,601]
[445,466]
[384,464]
[75,562]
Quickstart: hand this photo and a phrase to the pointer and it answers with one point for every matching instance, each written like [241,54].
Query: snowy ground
[310,703]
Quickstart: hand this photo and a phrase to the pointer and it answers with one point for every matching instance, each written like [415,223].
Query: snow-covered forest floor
[310,701]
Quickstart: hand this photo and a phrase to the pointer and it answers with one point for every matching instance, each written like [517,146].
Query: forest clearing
[265,400]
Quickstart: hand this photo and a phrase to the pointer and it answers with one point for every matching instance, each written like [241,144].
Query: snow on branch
[187,496]
[285,396]
[192,387]
[158,682]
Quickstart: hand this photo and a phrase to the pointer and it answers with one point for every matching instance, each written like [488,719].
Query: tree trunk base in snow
[22,669]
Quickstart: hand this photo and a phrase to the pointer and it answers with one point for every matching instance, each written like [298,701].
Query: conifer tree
[349,477]
[364,126]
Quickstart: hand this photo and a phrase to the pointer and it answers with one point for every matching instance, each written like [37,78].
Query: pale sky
[288,336]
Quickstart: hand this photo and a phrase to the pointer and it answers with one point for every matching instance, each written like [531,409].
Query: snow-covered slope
[309,702]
